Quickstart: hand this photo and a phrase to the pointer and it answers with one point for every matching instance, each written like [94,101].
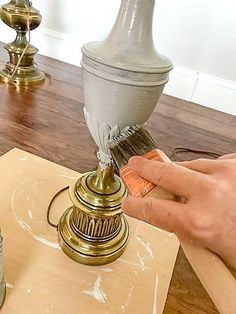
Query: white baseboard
[201,88]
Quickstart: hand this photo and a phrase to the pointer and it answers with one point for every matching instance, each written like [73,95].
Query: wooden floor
[48,121]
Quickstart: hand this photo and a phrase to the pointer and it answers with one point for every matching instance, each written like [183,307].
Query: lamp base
[92,253]
[22,17]
[94,231]
[23,76]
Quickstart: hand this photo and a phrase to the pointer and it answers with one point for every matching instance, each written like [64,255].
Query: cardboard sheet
[42,279]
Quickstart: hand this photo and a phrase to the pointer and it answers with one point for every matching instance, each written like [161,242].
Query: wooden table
[48,121]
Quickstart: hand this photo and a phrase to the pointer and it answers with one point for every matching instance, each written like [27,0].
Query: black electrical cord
[50,205]
[178,150]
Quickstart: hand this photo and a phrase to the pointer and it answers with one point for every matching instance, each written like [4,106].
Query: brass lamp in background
[22,17]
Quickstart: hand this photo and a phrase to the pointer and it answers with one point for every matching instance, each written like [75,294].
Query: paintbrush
[213,273]
[137,141]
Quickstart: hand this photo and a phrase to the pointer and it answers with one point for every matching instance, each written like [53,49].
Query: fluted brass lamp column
[19,14]
[123,78]
[93,231]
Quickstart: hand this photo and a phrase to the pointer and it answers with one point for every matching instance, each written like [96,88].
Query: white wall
[198,35]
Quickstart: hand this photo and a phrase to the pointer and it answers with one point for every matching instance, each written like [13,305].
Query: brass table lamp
[123,78]
[22,17]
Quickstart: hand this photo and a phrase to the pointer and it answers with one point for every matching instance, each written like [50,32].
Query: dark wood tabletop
[47,120]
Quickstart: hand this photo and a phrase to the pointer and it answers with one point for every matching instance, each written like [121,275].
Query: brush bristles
[135,141]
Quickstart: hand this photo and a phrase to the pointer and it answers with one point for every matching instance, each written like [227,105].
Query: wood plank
[44,278]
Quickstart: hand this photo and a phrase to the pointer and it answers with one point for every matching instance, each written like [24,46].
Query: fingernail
[133,160]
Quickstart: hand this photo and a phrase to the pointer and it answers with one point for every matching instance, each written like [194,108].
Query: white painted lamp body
[123,75]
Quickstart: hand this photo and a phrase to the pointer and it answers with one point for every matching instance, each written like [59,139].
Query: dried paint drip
[97,291]
[129,297]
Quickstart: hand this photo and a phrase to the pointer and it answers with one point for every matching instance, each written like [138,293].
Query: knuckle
[220,190]
[201,229]
[209,185]
[145,168]
[195,163]
[194,225]
[148,209]
[213,234]
[231,164]
[192,163]
[193,222]
[228,165]
[137,163]
[160,171]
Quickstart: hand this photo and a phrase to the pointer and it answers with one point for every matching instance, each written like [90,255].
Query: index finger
[164,214]
[172,177]
[228,156]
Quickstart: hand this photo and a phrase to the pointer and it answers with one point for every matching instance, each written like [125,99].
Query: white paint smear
[66,176]
[132,263]
[30,214]
[141,260]
[146,245]
[108,270]
[54,245]
[169,238]
[97,291]
[48,309]
[124,306]
[23,158]
[25,226]
[9,286]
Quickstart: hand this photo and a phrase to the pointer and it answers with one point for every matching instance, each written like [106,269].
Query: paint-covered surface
[41,277]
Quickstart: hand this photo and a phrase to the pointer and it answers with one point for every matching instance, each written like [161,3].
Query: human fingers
[164,214]
[218,167]
[228,156]
[172,177]
[206,166]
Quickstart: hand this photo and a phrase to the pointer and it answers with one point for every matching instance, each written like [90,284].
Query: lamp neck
[20,3]
[134,22]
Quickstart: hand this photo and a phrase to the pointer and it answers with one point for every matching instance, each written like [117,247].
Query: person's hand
[207,218]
